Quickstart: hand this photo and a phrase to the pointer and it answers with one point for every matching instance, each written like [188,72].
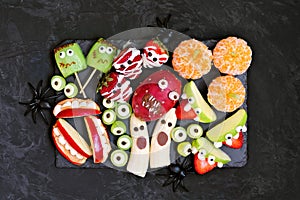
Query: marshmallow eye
[197,110]
[62,54]
[102,49]
[202,153]
[174,96]
[211,160]
[70,52]
[163,84]
[109,50]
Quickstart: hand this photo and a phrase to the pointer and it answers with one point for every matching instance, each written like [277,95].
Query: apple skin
[197,103]
[218,132]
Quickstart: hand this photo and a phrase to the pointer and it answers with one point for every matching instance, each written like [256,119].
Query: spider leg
[39,88]
[45,92]
[159,22]
[169,180]
[34,91]
[176,183]
[166,21]
[183,187]
[44,117]
[54,96]
[34,113]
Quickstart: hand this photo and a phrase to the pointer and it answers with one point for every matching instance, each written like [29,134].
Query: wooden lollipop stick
[88,81]
[79,83]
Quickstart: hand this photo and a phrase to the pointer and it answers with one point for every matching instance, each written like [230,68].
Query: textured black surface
[31,29]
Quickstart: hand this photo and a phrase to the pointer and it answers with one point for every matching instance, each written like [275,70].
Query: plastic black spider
[164,23]
[177,172]
[40,101]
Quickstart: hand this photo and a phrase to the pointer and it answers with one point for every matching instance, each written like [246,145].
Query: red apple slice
[69,143]
[70,108]
[98,137]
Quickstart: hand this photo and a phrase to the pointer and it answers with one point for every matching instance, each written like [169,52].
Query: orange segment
[226,93]
[232,56]
[192,59]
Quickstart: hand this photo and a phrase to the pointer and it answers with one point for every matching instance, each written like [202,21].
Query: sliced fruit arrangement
[192,59]
[69,143]
[70,108]
[115,87]
[129,63]
[139,155]
[226,93]
[194,102]
[155,54]
[161,140]
[230,131]
[98,137]
[232,56]
[156,95]
[208,157]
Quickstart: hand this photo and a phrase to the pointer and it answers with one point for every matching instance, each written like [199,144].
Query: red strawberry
[108,83]
[129,63]
[155,54]
[182,114]
[202,166]
[236,143]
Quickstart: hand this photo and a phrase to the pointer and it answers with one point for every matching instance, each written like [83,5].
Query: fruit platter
[150,98]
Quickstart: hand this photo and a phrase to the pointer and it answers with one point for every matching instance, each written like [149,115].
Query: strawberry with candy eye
[115,87]
[155,54]
[129,63]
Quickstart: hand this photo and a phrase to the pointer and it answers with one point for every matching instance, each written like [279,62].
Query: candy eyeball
[102,49]
[202,154]
[62,54]
[163,84]
[211,160]
[191,100]
[174,96]
[109,50]
[197,110]
[228,136]
[70,52]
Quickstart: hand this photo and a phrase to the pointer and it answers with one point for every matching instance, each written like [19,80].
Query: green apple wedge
[203,144]
[218,132]
[196,102]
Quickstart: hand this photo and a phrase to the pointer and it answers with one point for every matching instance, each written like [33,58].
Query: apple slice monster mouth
[69,143]
[69,108]
[151,103]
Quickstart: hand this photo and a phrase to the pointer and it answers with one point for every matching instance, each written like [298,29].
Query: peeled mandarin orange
[232,56]
[192,59]
[226,93]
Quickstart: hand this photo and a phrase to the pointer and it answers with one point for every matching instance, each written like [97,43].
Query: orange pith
[192,59]
[226,93]
[232,56]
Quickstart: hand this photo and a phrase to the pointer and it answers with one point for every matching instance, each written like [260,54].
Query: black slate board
[138,37]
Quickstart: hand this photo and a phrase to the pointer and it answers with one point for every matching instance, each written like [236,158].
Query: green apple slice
[218,132]
[198,104]
[207,149]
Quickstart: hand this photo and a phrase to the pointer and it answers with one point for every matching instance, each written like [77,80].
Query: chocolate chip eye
[149,54]
[136,129]
[62,54]
[122,66]
[142,127]
[163,121]
[119,85]
[174,96]
[109,50]
[228,136]
[154,59]
[170,124]
[191,100]
[129,62]
[163,84]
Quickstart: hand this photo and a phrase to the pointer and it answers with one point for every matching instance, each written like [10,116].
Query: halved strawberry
[202,166]
[155,54]
[74,107]
[182,114]
[106,85]
[236,143]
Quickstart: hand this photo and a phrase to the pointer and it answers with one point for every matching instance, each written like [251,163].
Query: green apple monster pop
[70,60]
[100,57]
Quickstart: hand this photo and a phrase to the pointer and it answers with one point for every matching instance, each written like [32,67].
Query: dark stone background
[30,29]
